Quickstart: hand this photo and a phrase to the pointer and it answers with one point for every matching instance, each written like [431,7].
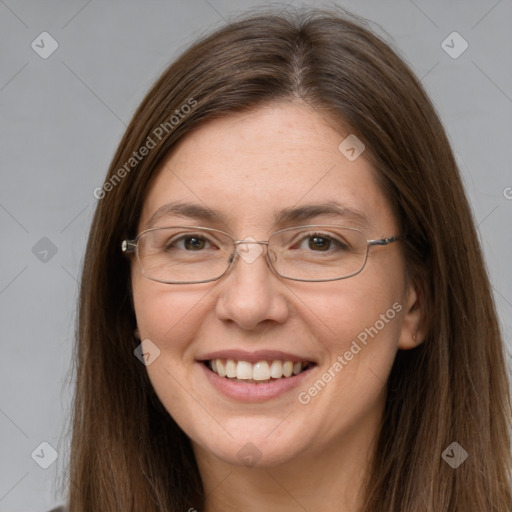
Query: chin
[253,447]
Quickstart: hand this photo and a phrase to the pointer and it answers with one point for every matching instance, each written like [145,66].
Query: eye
[189,243]
[322,242]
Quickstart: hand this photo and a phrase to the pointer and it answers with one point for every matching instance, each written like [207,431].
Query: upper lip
[254,357]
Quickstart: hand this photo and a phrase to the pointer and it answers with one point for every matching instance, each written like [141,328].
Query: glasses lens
[318,253]
[184,254]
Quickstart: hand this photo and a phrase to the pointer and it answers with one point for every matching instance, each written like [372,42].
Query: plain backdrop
[63,115]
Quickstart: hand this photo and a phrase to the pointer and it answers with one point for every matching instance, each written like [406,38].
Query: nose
[251,294]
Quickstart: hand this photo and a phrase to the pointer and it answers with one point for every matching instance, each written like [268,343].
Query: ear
[136,333]
[413,330]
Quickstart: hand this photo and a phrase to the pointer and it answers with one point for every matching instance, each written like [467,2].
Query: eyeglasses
[190,254]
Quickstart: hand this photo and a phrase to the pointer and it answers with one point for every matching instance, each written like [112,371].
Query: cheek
[346,309]
[168,316]
[359,327]
[360,339]
[171,320]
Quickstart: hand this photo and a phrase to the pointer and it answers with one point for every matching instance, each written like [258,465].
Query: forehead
[250,168]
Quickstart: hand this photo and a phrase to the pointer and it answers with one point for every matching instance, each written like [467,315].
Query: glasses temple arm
[128,246]
[386,241]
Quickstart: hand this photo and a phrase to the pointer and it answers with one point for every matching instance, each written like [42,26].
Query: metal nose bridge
[238,242]
[236,253]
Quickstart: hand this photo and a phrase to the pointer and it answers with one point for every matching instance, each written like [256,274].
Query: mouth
[257,376]
[260,372]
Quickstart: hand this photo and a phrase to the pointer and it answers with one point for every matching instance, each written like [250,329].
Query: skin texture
[249,166]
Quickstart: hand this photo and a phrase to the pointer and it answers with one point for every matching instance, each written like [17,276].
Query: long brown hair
[127,453]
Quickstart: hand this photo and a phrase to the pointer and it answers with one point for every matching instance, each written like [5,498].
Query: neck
[331,480]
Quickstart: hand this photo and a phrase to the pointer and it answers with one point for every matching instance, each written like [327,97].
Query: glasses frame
[131,246]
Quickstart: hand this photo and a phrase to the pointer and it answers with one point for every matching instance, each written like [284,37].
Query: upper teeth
[262,370]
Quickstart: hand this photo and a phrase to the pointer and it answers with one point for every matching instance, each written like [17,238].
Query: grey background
[62,117]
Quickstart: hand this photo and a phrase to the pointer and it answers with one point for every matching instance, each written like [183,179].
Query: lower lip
[250,391]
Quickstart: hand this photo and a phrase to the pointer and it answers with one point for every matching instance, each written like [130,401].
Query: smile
[255,376]
[263,371]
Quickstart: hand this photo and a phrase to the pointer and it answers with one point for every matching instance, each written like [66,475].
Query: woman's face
[249,168]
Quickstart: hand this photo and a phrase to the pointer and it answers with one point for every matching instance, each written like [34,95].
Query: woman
[284,304]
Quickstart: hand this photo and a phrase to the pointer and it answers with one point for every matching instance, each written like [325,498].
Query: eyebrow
[181,209]
[285,216]
[332,208]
